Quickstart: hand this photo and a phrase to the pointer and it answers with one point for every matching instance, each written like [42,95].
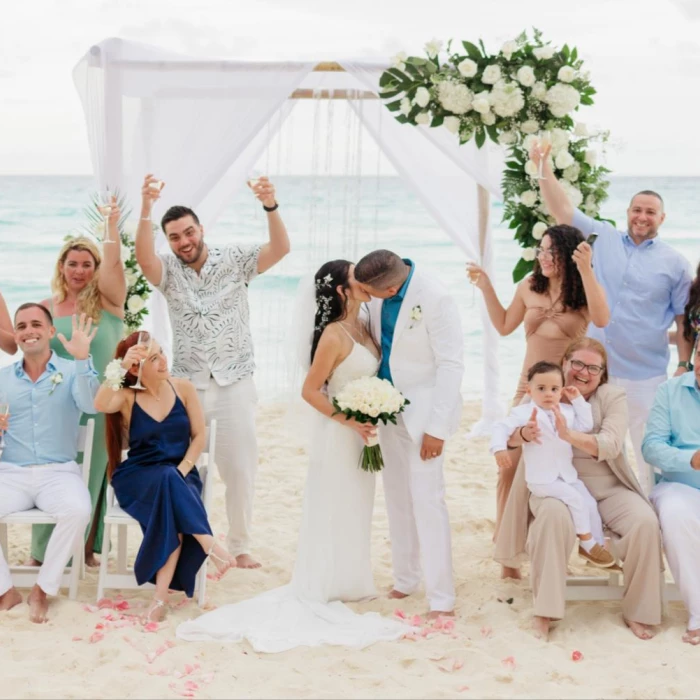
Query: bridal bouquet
[370,400]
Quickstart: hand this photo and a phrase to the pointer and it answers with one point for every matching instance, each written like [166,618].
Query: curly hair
[691,316]
[564,240]
[330,305]
[89,301]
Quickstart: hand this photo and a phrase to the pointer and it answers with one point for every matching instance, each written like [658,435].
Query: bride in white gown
[333,556]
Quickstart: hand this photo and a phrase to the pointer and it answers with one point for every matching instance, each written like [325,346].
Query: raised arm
[85,382]
[553,194]
[112,282]
[7,331]
[598,310]
[505,321]
[278,245]
[198,429]
[110,401]
[146,255]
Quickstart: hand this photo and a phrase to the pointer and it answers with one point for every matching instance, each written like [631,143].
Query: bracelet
[150,221]
[520,432]
[269,209]
[189,461]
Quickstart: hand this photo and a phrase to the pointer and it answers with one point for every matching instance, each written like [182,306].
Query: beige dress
[542,527]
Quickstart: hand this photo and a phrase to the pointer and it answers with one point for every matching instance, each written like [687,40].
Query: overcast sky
[644,57]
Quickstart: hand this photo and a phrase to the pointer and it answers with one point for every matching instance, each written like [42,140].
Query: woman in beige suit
[545,532]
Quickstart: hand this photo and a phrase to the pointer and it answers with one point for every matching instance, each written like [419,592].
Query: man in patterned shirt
[207,294]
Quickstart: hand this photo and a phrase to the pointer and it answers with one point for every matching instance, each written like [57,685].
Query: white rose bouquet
[370,400]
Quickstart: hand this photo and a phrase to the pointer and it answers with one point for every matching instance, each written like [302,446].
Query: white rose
[572,172]
[468,68]
[531,126]
[131,278]
[543,53]
[528,254]
[481,103]
[423,118]
[489,118]
[591,157]
[451,124]
[526,76]
[566,74]
[562,99]
[559,138]
[529,198]
[491,75]
[539,91]
[422,97]
[405,106]
[538,230]
[506,138]
[563,160]
[433,48]
[531,168]
[135,304]
[581,130]
[508,49]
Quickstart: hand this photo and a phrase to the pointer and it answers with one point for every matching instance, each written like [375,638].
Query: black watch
[268,209]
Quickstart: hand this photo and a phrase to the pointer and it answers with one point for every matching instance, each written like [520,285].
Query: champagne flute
[253,178]
[144,341]
[544,142]
[4,410]
[105,208]
[474,276]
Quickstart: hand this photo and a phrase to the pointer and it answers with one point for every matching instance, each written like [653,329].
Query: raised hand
[560,424]
[583,257]
[264,190]
[151,189]
[539,152]
[503,459]
[531,430]
[571,392]
[477,276]
[133,356]
[79,344]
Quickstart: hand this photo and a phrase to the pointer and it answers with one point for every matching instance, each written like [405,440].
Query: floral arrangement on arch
[138,289]
[511,97]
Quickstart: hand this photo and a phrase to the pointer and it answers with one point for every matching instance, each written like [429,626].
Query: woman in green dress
[7,331]
[86,281]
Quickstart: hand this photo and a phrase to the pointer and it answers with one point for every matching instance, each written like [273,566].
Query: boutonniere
[416,316]
[56,379]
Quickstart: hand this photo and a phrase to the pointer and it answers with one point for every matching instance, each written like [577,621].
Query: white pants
[233,407]
[577,498]
[678,508]
[640,399]
[59,490]
[419,525]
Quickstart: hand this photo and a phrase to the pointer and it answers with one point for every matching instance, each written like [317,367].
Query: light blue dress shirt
[647,286]
[45,415]
[673,430]
[390,314]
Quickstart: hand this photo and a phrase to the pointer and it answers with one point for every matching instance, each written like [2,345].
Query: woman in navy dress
[158,484]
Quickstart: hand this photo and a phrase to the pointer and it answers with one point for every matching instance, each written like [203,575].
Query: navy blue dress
[151,490]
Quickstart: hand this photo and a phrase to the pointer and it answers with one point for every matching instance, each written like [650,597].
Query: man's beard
[197,254]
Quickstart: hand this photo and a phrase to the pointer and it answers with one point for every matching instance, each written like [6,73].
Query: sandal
[157,604]
[220,570]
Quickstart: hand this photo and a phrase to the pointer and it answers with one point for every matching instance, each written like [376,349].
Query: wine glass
[253,178]
[105,208]
[4,410]
[544,141]
[474,276]
[144,341]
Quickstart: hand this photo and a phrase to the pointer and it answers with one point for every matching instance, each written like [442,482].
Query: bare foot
[38,605]
[157,611]
[223,561]
[91,560]
[510,572]
[434,614]
[245,561]
[541,627]
[31,562]
[642,631]
[10,598]
[692,637]
[397,595]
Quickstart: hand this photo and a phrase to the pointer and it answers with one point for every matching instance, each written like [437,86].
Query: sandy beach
[490,652]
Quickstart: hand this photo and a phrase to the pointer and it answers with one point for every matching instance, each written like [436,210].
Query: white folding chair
[25,576]
[114,516]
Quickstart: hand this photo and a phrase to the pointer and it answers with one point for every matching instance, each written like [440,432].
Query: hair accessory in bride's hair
[323,301]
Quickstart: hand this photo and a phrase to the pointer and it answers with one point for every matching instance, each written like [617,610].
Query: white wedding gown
[333,557]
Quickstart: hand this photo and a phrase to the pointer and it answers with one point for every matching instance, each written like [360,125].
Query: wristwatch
[685,365]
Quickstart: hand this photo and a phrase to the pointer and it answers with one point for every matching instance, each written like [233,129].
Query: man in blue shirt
[647,284]
[46,396]
[672,446]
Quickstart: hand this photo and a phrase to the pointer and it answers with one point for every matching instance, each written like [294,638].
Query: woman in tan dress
[542,527]
[556,303]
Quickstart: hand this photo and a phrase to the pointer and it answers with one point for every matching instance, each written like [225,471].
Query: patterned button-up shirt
[210,316]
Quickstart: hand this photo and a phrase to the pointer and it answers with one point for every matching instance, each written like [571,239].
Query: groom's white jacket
[427,356]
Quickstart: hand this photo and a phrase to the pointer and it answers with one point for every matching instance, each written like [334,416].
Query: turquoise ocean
[327,218]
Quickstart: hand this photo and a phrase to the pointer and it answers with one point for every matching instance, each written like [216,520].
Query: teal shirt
[673,430]
[390,313]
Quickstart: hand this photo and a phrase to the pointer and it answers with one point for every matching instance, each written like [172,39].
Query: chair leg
[75,569]
[104,561]
[202,592]
[122,531]
[3,539]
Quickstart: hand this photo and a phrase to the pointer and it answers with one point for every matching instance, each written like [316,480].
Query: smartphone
[591,239]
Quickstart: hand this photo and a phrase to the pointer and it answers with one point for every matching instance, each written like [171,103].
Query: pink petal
[169,644]
[77,639]
[122,605]
[462,688]
[457,664]
[191,685]
[508,662]
[416,621]
[486,631]
[151,627]
[188,669]
[90,608]
[105,603]
[448,625]
[96,637]
[576,656]
[400,614]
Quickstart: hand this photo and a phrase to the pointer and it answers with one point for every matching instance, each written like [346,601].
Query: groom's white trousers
[59,490]
[419,525]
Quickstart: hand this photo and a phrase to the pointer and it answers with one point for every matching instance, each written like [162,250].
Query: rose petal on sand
[96,637]
[448,625]
[462,688]
[416,621]
[90,608]
[508,662]
[486,631]
[400,614]
[191,685]
[151,627]
[576,656]
[105,603]
[77,639]
[122,605]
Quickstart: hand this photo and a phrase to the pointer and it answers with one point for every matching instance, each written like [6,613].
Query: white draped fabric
[201,126]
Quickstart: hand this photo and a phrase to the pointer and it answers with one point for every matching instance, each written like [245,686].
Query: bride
[333,556]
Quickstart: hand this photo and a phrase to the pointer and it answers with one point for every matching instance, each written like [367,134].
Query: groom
[416,322]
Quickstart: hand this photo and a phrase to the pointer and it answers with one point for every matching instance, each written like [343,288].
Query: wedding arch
[203,124]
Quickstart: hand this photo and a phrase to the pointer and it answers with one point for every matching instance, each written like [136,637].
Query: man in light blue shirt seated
[647,283]
[672,446]
[45,396]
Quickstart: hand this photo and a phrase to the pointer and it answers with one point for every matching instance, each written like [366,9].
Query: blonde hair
[89,301]
[592,344]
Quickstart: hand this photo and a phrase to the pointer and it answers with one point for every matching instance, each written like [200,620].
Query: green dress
[109,332]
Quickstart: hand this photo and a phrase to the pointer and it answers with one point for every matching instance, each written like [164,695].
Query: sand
[490,653]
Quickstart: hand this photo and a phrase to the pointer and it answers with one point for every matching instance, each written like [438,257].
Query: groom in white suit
[416,322]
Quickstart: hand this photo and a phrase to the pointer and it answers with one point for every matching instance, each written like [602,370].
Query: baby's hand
[503,459]
[571,392]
